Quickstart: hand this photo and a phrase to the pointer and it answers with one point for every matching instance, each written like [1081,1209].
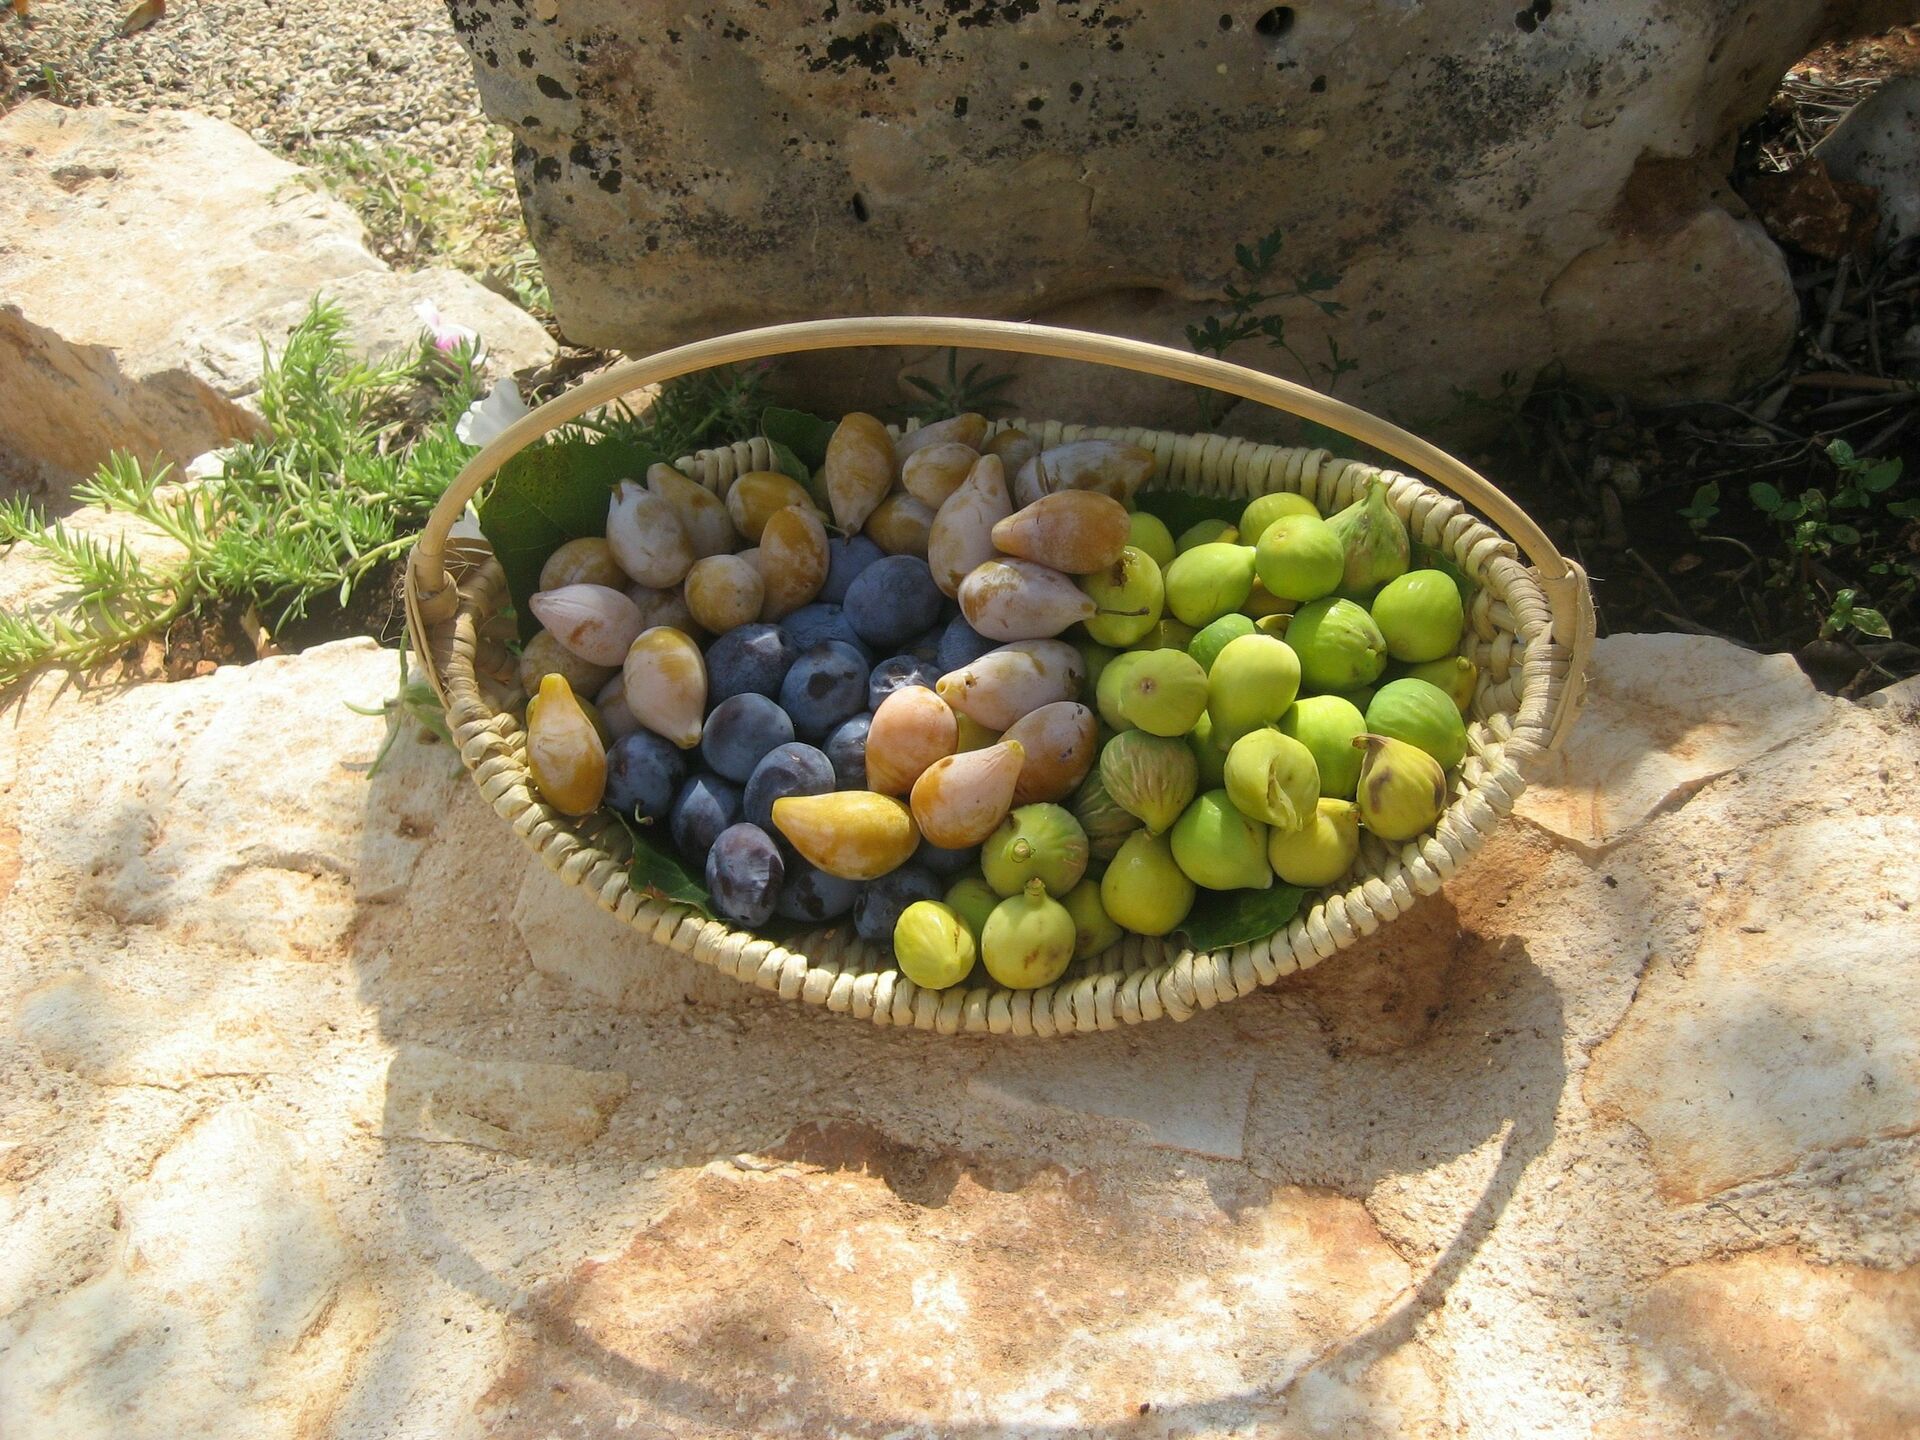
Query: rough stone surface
[320,1116]
[1878,144]
[119,233]
[1097,164]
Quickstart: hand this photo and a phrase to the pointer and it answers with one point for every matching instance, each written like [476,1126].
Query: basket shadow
[1427,1047]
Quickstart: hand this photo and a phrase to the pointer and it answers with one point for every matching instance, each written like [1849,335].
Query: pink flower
[447,335]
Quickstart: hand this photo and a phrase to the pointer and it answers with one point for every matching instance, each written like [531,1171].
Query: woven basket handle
[1563,581]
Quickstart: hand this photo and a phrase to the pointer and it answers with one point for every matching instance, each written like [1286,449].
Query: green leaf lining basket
[1530,630]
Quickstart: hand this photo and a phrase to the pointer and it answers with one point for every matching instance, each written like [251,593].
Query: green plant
[413,700]
[973,392]
[1820,522]
[358,452]
[693,412]
[1250,314]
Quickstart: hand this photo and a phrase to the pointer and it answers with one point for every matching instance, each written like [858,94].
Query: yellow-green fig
[932,945]
[565,754]
[973,900]
[1320,852]
[1455,674]
[1421,616]
[1028,940]
[1149,533]
[1144,889]
[1105,822]
[1219,848]
[1253,681]
[1213,638]
[1150,776]
[1402,789]
[1205,532]
[1338,646]
[1127,596]
[1300,558]
[1208,581]
[1273,778]
[1112,682]
[1374,539]
[1327,725]
[1212,757]
[852,834]
[1263,510]
[1164,691]
[1094,929]
[1035,842]
[1422,715]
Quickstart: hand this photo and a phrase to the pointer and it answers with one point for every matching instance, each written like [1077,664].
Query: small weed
[975,392]
[693,412]
[358,454]
[413,701]
[1251,314]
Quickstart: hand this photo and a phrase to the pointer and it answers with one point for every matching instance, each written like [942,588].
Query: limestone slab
[144,260]
[1664,714]
[430,1094]
[232,1306]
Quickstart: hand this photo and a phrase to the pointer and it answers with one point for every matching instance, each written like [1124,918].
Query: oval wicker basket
[1529,629]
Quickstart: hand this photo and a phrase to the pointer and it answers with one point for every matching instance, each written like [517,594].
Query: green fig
[1359,699]
[1300,558]
[932,945]
[1151,776]
[1129,595]
[1106,823]
[1093,928]
[973,900]
[1163,691]
[1338,645]
[1402,789]
[1374,539]
[1208,581]
[1273,778]
[1112,684]
[1035,842]
[1420,615]
[1144,889]
[1150,533]
[1219,848]
[1028,941]
[1095,657]
[1205,532]
[1252,683]
[1213,638]
[1320,852]
[1168,634]
[1420,714]
[1263,510]
[1455,674]
[1327,725]
[1212,757]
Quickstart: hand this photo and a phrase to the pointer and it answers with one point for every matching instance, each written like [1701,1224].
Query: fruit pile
[964,692]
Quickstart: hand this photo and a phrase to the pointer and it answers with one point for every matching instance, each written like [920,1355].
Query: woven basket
[1528,629]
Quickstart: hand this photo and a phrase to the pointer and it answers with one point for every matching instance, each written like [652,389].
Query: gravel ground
[377,71]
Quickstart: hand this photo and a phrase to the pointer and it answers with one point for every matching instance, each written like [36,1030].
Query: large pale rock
[848,1285]
[232,1305]
[1099,164]
[143,261]
[1664,715]
[1788,1031]
[1878,144]
[1769,1347]
[507,1105]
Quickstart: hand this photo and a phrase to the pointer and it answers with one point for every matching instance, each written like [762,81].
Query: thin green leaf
[659,872]
[805,435]
[1870,622]
[1221,918]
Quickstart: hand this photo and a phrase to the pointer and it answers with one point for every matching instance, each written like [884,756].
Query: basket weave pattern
[1523,673]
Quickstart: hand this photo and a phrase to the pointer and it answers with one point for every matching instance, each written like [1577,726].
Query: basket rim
[1511,614]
